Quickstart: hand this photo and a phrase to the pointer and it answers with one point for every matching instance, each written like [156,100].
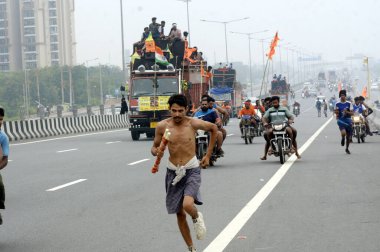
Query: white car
[375,86]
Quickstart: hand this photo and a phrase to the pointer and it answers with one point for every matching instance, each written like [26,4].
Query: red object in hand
[164,142]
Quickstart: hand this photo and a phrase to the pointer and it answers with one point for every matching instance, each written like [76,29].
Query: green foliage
[12,85]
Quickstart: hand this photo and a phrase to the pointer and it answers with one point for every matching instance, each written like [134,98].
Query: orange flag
[339,86]
[273,45]
[364,92]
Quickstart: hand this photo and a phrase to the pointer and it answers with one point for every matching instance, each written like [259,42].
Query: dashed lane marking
[62,151]
[65,185]
[113,142]
[140,161]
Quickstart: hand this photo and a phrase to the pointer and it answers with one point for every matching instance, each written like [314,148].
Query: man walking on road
[183,176]
[318,105]
[4,152]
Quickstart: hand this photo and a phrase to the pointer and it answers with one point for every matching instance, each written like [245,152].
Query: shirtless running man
[181,197]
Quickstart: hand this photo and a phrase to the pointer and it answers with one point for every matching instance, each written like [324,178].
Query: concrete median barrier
[49,127]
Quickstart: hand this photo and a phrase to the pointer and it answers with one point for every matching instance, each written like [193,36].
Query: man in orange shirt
[247,110]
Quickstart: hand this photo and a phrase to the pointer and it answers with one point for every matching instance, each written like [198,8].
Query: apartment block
[36,34]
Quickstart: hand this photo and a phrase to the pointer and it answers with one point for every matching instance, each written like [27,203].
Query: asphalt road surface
[96,193]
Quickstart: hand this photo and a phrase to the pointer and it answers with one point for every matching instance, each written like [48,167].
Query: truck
[225,88]
[332,78]
[158,69]
[280,88]
[321,79]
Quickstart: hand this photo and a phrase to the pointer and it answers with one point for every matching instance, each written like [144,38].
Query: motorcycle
[248,129]
[359,128]
[281,142]
[202,139]
[331,107]
[296,110]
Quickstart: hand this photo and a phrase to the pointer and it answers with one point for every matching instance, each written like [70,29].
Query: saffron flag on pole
[160,57]
[150,44]
[273,45]
[364,92]
[135,56]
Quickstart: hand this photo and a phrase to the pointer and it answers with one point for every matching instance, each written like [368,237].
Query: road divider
[48,127]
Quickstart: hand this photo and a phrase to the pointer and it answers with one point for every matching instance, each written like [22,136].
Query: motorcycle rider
[296,104]
[278,113]
[247,110]
[210,115]
[360,109]
[367,112]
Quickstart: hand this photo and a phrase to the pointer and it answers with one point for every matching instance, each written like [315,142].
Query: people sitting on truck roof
[145,34]
[175,33]
[161,29]
[199,56]
[153,28]
[194,53]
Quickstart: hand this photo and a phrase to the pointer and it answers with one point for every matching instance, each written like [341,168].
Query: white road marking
[61,151]
[10,160]
[113,142]
[68,137]
[230,231]
[140,161]
[230,134]
[65,185]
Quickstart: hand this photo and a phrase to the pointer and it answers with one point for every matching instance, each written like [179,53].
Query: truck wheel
[135,135]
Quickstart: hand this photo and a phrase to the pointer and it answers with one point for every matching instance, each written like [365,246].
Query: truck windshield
[165,86]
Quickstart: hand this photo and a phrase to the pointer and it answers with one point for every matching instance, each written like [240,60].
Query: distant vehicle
[117,110]
[320,97]
[375,86]
[313,91]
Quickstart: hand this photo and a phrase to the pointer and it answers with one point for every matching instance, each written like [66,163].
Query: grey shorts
[187,186]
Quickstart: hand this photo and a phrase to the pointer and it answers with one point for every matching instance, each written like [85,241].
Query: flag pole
[262,83]
[368,81]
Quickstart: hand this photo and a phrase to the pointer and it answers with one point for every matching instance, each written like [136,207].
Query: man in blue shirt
[210,115]
[343,113]
[4,152]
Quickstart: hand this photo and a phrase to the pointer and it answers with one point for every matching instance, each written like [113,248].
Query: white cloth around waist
[193,163]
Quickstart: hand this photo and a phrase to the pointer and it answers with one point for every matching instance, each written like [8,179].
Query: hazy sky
[334,28]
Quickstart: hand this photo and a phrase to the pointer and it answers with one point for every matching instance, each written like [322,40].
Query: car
[375,86]
[320,97]
[313,92]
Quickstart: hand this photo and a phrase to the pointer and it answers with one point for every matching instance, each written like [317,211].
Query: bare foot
[298,156]
[263,158]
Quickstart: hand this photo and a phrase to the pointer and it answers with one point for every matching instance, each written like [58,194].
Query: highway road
[96,193]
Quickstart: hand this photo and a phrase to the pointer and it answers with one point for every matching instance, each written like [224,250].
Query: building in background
[36,34]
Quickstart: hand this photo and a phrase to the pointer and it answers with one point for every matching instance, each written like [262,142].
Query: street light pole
[188,19]
[225,30]
[122,41]
[249,53]
[101,85]
[88,86]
